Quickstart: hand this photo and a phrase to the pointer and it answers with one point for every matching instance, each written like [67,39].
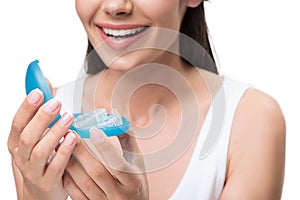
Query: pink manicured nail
[70,139]
[34,96]
[65,119]
[51,105]
[97,135]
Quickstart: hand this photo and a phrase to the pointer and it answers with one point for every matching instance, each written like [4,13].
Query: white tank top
[205,175]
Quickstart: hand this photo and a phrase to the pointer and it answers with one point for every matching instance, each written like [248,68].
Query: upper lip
[120,26]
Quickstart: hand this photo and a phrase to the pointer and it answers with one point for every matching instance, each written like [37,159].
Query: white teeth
[122,33]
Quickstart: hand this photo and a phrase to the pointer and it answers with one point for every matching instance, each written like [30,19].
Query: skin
[166,14]
[31,144]
[257,149]
[255,166]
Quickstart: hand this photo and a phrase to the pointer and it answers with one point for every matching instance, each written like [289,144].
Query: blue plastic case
[35,79]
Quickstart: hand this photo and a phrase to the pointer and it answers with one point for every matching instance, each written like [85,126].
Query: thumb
[109,153]
[128,157]
[129,143]
[105,149]
[131,150]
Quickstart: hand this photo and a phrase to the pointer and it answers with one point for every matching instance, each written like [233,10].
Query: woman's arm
[256,156]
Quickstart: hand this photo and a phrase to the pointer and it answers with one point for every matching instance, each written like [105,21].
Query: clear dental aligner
[98,118]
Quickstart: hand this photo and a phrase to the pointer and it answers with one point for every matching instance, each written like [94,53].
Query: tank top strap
[205,175]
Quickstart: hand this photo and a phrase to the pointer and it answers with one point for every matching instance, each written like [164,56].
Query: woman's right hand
[31,145]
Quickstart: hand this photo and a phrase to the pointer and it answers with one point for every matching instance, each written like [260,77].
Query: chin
[134,59]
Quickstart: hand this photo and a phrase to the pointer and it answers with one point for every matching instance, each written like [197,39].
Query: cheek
[86,9]
[166,13]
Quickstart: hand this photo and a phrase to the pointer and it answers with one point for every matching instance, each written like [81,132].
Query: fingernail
[34,96]
[52,105]
[65,119]
[70,138]
[97,135]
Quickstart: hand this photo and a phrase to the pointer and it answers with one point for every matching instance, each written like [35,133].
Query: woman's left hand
[120,176]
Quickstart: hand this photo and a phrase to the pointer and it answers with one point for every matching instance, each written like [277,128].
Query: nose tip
[118,8]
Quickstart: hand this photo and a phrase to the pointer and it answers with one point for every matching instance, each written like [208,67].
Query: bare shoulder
[258,108]
[257,149]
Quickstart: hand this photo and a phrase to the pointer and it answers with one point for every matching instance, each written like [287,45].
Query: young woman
[194,135]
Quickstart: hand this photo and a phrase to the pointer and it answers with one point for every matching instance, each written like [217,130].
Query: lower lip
[120,43]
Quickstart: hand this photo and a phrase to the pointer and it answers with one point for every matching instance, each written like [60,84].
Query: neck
[112,77]
[136,91]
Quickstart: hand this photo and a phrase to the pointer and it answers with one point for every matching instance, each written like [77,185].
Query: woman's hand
[32,144]
[119,175]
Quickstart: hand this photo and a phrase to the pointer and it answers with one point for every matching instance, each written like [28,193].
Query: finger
[113,157]
[60,160]
[131,150]
[95,169]
[37,126]
[72,189]
[83,181]
[22,117]
[129,143]
[43,149]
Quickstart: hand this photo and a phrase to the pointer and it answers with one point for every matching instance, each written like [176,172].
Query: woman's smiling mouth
[121,36]
[125,33]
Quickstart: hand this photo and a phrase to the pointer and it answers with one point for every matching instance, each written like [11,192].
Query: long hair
[193,25]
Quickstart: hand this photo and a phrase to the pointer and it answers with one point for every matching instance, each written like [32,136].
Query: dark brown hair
[193,25]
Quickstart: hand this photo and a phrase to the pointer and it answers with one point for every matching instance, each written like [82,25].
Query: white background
[256,42]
